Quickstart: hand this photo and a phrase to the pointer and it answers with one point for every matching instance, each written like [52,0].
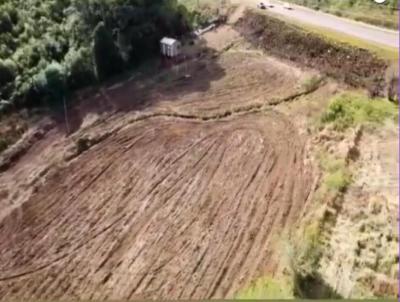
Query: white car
[287,6]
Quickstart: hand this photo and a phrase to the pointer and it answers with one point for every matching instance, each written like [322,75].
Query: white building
[170,47]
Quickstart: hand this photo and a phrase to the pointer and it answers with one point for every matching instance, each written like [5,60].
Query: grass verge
[387,53]
[354,66]
[267,288]
[352,109]
[337,176]
[367,12]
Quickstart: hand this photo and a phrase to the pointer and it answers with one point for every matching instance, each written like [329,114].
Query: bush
[338,180]
[337,177]
[351,109]
[311,83]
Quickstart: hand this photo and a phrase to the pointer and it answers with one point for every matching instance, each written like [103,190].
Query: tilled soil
[164,207]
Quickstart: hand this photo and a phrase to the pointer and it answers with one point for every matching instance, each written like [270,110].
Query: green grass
[346,111]
[337,176]
[377,18]
[363,11]
[304,257]
[338,180]
[387,53]
[390,54]
[309,251]
[267,288]
[352,109]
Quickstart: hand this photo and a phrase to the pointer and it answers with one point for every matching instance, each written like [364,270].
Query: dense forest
[50,47]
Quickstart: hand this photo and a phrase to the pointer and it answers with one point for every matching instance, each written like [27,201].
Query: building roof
[168,41]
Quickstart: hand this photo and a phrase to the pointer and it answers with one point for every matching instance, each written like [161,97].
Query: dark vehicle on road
[261,5]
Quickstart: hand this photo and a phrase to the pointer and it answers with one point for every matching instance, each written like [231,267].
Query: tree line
[48,47]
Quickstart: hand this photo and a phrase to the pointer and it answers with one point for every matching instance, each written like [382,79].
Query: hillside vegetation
[360,10]
[350,110]
[51,47]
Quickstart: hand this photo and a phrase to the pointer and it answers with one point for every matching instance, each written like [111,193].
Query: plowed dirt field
[166,206]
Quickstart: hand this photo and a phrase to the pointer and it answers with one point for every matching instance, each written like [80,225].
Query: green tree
[79,68]
[7,72]
[6,24]
[51,84]
[107,59]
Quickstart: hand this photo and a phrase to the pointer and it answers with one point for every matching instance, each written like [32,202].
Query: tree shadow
[166,81]
[313,287]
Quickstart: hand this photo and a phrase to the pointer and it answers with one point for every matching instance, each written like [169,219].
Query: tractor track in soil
[169,205]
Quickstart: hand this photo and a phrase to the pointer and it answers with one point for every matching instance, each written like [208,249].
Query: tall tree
[107,59]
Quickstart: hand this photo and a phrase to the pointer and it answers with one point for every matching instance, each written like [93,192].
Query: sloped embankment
[354,66]
[183,199]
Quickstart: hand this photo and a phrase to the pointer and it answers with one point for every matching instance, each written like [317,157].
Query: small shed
[170,47]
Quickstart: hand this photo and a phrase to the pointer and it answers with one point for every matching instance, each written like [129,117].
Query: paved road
[357,29]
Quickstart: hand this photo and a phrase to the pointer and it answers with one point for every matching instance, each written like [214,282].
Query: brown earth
[182,183]
[185,185]
[164,208]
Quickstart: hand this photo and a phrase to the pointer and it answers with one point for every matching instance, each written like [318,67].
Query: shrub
[338,180]
[312,83]
[337,176]
[351,109]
